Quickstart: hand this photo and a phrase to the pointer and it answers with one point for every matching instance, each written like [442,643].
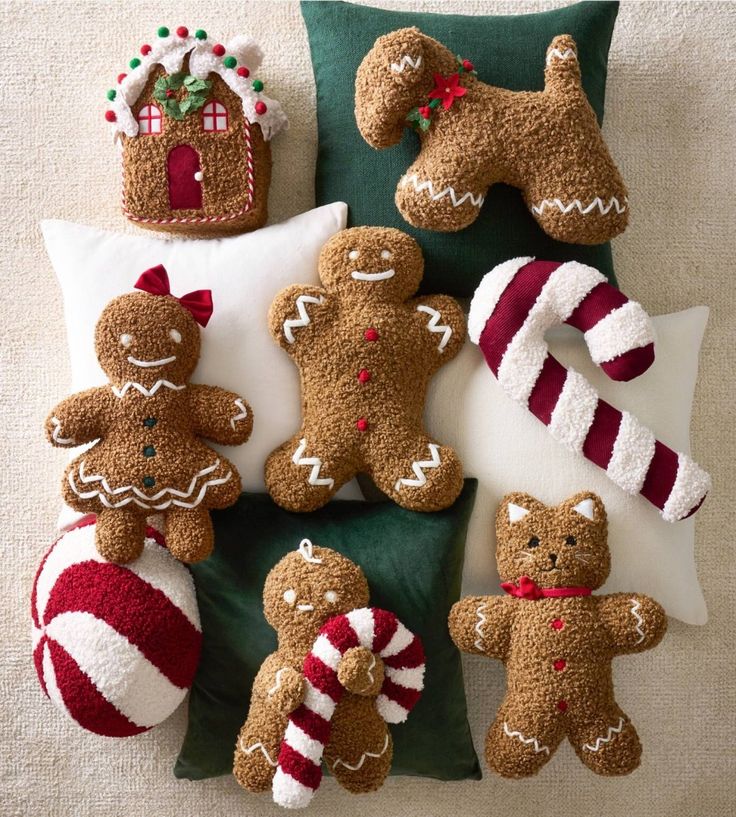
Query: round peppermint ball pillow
[115,646]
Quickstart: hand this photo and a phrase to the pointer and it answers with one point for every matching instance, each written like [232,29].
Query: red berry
[182,31]
[425,111]
[362,424]
[243,71]
[110,116]
[121,77]
[261,108]
[145,49]
[468,65]
[218,50]
[169,93]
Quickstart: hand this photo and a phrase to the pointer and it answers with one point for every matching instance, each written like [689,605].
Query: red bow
[198,303]
[530,590]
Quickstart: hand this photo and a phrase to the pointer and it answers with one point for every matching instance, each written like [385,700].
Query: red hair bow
[198,303]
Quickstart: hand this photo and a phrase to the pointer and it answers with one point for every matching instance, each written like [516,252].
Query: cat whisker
[581,558]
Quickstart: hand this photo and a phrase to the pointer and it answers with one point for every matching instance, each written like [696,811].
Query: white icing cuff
[489,292]
[628,327]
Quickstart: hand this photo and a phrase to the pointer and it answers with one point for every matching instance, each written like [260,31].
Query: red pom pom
[218,50]
[121,77]
[110,116]
[243,71]
[468,65]
[182,31]
[362,424]
[425,111]
[261,108]
[145,49]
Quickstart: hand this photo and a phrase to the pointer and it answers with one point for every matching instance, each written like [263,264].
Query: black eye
[533,542]
[571,540]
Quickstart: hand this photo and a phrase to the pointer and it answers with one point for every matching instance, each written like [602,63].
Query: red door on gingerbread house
[185,178]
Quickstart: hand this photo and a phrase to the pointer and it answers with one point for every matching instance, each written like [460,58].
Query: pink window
[214,117]
[149,120]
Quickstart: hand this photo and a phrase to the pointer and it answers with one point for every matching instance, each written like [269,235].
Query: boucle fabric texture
[556,640]
[366,353]
[668,122]
[547,143]
[145,426]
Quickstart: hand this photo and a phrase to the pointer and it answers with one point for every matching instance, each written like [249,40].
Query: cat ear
[515,507]
[587,505]
[516,512]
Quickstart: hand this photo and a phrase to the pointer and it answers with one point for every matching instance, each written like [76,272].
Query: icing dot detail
[562,706]
[149,482]
[149,451]
[111,94]
[145,49]
[150,422]
[371,335]
[362,424]
[560,664]
[134,63]
[121,77]
[110,116]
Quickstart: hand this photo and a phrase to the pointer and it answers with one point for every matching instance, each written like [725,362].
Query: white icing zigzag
[604,209]
[354,768]
[250,749]
[314,462]
[243,412]
[478,643]
[530,741]
[567,54]
[427,185]
[303,319]
[635,607]
[434,325]
[612,730]
[406,60]
[418,467]
[121,392]
[55,434]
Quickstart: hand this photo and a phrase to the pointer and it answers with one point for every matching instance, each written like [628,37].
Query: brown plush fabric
[356,726]
[147,421]
[224,164]
[548,143]
[557,651]
[365,354]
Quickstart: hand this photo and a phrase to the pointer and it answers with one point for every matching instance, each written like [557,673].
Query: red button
[557,624]
[362,424]
[562,706]
[560,664]
[370,334]
[364,375]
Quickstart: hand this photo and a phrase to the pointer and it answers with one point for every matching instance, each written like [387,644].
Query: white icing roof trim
[170,52]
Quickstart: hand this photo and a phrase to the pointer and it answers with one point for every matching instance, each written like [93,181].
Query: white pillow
[244,273]
[508,449]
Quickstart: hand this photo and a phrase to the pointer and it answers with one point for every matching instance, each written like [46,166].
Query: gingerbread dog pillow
[341,673]
[474,135]
[146,423]
[556,639]
[366,352]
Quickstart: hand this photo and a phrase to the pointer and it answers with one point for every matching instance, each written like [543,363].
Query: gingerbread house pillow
[194,126]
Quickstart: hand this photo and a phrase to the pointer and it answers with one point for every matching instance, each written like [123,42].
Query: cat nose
[553,558]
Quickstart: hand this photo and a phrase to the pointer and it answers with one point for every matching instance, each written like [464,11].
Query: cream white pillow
[244,273]
[508,449]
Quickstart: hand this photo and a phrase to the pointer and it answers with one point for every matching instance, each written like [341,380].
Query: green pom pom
[163,32]
[134,63]
[200,34]
[111,94]
[257,86]
[229,62]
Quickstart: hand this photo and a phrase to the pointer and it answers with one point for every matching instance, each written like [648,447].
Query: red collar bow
[530,590]
[198,303]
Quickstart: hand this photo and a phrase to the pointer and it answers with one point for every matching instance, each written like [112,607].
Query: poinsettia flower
[447,89]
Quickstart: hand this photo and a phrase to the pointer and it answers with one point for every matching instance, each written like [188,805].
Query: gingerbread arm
[280,686]
[481,625]
[296,314]
[219,415]
[361,672]
[443,324]
[634,622]
[79,419]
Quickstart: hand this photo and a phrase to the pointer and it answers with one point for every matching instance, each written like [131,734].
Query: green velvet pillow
[508,51]
[413,563]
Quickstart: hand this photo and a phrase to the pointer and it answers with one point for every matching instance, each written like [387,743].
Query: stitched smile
[305,608]
[147,364]
[359,275]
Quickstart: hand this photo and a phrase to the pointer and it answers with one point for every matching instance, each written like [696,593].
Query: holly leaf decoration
[165,88]
[184,106]
[197,102]
[176,81]
[194,85]
[173,109]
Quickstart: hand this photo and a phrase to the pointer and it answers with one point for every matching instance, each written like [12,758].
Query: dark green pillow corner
[413,563]
[506,50]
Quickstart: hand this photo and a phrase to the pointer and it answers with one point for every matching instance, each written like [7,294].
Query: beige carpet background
[671,124]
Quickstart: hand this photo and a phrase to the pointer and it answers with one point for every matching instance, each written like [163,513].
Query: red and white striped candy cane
[299,771]
[512,309]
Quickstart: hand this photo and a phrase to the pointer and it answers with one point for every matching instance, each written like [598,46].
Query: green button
[150,422]
[149,482]
[149,451]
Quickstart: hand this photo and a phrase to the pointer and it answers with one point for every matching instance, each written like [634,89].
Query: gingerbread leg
[119,534]
[417,473]
[434,196]
[521,740]
[360,750]
[189,534]
[305,473]
[606,742]
[257,749]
